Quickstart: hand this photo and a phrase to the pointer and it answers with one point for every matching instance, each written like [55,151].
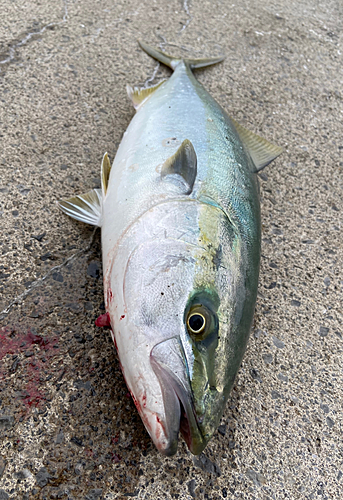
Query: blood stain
[144,400]
[115,439]
[116,458]
[137,403]
[103,320]
[109,295]
[34,371]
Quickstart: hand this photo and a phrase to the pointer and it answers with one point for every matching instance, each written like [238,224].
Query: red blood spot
[36,339]
[115,439]
[103,320]
[33,395]
[34,369]
[137,403]
[116,458]
[128,395]
[158,430]
[144,400]
[185,429]
[10,343]
[109,295]
[122,317]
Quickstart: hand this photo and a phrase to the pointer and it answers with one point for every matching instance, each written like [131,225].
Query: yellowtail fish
[179,214]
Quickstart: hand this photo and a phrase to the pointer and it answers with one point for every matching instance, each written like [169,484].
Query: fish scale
[180,219]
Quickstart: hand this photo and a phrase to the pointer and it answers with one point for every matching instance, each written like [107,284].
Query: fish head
[184,329]
[184,365]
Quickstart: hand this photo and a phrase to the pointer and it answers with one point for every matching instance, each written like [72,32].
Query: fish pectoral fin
[182,166]
[85,208]
[261,151]
[105,173]
[139,96]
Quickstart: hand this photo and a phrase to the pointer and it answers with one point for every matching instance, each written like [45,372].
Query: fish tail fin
[172,61]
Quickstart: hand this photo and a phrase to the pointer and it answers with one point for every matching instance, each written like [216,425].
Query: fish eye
[196,323]
[199,322]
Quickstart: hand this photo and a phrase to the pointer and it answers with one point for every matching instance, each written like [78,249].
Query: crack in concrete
[37,283]
[152,77]
[163,43]
[29,36]
[190,17]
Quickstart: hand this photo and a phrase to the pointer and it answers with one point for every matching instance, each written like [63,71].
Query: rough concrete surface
[68,426]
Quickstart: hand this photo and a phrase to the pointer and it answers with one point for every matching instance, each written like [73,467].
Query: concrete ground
[68,427]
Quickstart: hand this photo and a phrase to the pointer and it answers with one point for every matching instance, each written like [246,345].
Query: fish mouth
[169,363]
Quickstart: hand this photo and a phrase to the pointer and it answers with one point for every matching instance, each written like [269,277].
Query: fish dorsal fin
[105,173]
[139,96]
[85,207]
[182,166]
[261,151]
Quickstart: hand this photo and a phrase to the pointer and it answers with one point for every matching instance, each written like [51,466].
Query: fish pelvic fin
[172,61]
[140,96]
[85,208]
[261,151]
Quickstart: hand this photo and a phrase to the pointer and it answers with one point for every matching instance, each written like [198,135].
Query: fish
[179,212]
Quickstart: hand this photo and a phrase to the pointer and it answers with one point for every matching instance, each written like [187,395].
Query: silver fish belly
[180,219]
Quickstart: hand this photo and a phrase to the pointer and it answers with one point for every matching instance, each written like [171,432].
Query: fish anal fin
[85,208]
[105,173]
[182,166]
[139,96]
[261,151]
